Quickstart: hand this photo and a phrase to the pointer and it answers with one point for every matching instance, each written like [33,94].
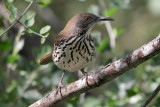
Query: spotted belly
[74,57]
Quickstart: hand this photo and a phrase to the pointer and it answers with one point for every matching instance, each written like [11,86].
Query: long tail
[46,59]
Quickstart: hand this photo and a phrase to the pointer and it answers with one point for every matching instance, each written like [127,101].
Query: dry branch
[106,74]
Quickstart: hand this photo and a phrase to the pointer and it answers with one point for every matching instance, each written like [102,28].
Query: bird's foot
[86,74]
[60,86]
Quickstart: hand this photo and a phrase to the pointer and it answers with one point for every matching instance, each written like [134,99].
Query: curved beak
[105,19]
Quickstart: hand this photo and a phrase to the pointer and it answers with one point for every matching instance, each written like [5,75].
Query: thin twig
[108,25]
[25,10]
[8,28]
[30,29]
[150,98]
[18,21]
[18,18]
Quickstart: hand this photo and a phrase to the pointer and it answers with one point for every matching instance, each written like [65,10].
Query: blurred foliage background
[23,81]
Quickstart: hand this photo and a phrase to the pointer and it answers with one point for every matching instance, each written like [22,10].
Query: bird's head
[81,22]
[87,20]
[84,21]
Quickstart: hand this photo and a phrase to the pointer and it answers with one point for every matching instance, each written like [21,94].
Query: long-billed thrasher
[73,47]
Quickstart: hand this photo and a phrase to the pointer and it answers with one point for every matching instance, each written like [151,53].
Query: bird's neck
[73,31]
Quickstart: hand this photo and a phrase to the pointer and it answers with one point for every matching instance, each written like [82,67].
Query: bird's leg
[83,72]
[60,85]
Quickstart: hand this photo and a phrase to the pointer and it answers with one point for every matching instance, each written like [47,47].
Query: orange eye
[87,18]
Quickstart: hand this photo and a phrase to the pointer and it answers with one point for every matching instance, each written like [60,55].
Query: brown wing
[46,59]
[57,41]
[61,36]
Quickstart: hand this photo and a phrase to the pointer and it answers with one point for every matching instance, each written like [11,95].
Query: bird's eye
[87,18]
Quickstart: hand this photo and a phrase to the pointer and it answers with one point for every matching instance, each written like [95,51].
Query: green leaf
[6,4]
[28,0]
[47,34]
[69,105]
[29,18]
[13,58]
[12,86]
[133,91]
[29,22]
[104,44]
[44,3]
[5,45]
[12,95]
[41,3]
[45,29]
[118,32]
[12,91]
[73,99]
[10,1]
[1,31]
[43,40]
[111,103]
[111,11]
[27,31]
[12,18]
[13,10]
[95,102]
[30,14]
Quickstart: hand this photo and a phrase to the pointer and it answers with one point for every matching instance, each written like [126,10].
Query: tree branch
[150,98]
[106,74]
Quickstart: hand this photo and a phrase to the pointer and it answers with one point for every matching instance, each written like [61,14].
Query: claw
[59,89]
[86,76]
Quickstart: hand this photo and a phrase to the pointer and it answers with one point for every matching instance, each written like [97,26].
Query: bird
[73,46]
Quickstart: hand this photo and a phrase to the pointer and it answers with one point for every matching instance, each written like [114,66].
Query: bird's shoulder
[61,37]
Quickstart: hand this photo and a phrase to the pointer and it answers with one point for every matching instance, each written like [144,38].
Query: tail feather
[46,59]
